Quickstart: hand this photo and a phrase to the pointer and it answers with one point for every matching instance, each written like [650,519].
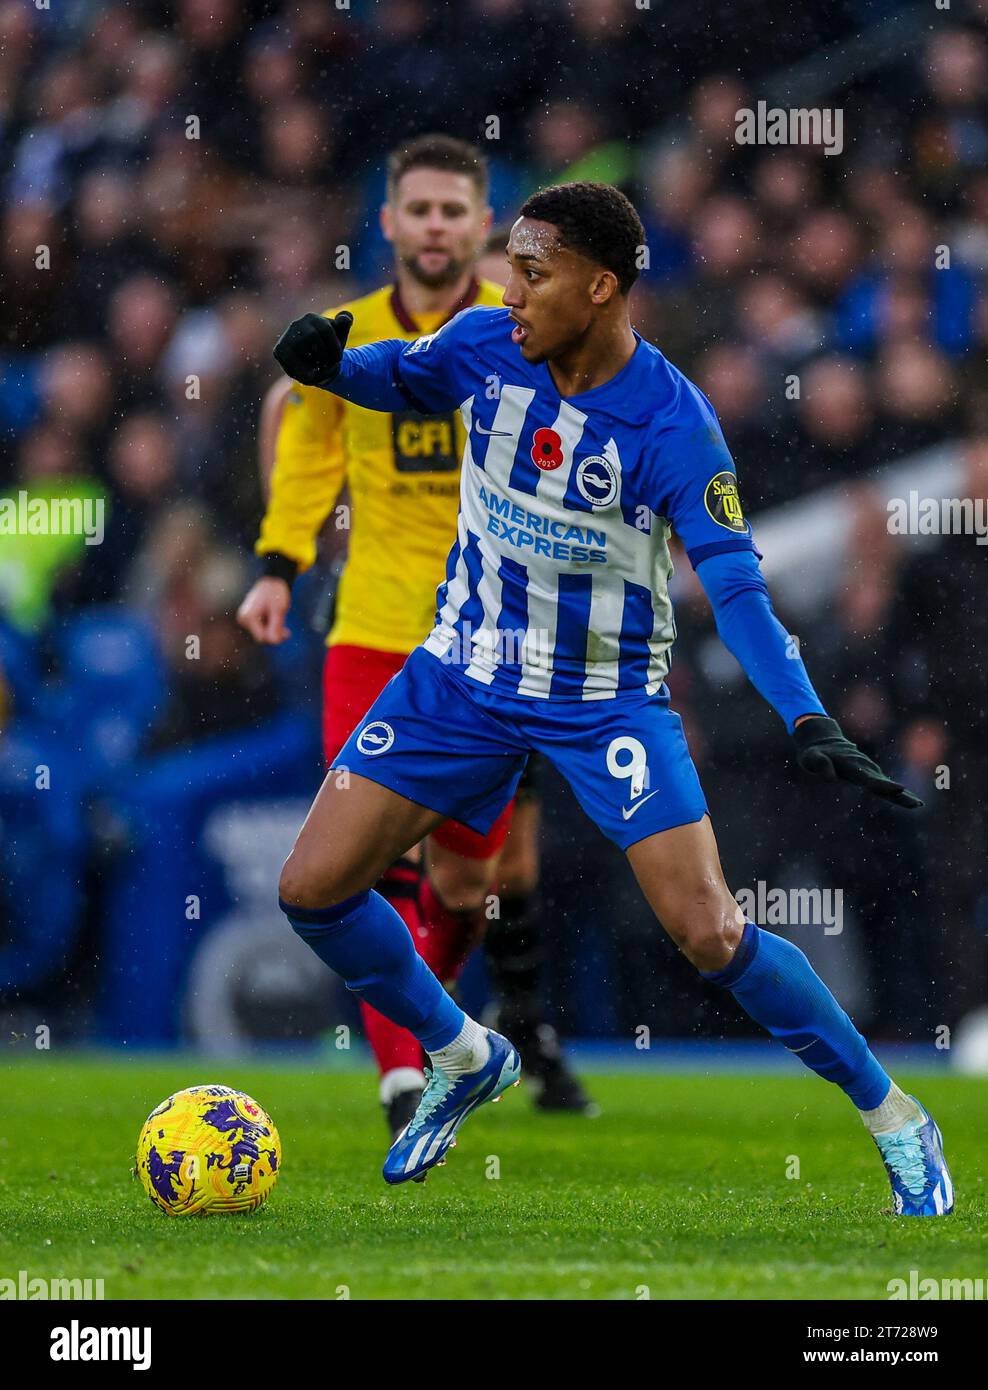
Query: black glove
[311,349]
[823,751]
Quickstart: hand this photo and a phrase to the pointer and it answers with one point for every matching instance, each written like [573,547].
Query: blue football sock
[365,941]
[774,982]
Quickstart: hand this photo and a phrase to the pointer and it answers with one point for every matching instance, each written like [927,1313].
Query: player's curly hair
[443,152]
[596,220]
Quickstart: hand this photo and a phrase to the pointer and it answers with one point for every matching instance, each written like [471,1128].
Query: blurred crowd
[176,180]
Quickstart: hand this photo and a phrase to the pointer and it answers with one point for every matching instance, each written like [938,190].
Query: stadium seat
[42,843]
[113,682]
[20,665]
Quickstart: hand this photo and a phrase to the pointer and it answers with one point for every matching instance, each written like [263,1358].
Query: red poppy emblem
[547,450]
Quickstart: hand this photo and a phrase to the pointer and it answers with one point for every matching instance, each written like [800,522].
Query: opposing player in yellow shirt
[403,476]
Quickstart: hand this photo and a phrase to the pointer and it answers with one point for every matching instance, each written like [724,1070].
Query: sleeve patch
[723,503]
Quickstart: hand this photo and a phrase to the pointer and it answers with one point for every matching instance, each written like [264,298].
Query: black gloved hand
[823,751]
[311,349]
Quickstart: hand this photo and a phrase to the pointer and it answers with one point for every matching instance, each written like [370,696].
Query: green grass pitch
[679,1189]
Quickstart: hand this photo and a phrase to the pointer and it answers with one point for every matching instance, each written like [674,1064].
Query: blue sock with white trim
[365,941]
[775,984]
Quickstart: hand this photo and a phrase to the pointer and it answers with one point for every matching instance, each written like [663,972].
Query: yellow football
[208,1149]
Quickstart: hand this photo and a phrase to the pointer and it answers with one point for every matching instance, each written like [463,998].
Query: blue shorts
[448,743]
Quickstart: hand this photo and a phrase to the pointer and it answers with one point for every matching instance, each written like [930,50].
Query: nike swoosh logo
[628,811]
[501,434]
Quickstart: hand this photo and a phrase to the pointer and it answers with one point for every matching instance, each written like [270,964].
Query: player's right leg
[350,835]
[423,753]
[353,677]
[354,830]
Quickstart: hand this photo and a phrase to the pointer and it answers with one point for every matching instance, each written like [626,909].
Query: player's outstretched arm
[753,634]
[311,351]
[311,348]
[823,751]
[390,376]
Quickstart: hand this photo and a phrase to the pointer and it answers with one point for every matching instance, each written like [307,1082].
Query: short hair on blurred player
[438,152]
[597,221]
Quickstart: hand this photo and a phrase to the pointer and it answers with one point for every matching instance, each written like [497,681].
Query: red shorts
[352,679]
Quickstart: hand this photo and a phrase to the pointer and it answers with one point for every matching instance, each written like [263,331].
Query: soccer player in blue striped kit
[585,448]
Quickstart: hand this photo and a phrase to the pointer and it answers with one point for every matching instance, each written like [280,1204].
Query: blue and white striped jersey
[558,584]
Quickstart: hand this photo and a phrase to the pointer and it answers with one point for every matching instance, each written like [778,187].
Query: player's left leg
[637,780]
[679,872]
